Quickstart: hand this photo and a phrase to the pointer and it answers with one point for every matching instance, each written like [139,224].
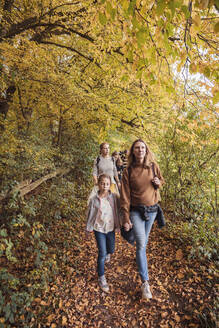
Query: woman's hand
[156,180]
[127,226]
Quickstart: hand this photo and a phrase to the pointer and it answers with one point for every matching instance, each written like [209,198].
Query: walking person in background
[105,164]
[139,198]
[103,219]
[124,157]
[119,164]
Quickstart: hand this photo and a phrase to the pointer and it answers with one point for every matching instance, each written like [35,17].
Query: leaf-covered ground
[183,290]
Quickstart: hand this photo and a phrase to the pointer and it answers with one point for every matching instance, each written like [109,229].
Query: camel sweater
[137,188]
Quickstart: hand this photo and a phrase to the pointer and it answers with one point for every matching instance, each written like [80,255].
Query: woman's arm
[159,180]
[95,173]
[115,173]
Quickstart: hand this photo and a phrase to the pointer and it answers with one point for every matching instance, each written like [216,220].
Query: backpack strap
[97,164]
[113,160]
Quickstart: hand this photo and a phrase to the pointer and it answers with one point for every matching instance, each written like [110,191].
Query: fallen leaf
[177,318]
[187,317]
[180,275]
[164,314]
[179,255]
[64,320]
[50,317]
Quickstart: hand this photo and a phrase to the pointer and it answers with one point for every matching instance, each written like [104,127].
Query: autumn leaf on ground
[179,255]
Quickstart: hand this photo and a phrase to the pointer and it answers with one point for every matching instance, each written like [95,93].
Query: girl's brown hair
[148,157]
[104,176]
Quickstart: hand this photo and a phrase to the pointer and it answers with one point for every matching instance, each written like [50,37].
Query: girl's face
[104,184]
[105,150]
[139,151]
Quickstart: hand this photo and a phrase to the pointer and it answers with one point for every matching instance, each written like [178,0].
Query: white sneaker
[107,260]
[103,284]
[146,293]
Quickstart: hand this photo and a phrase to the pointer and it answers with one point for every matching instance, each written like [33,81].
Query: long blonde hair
[149,158]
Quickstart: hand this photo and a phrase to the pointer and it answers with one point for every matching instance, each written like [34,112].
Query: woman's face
[105,150]
[139,151]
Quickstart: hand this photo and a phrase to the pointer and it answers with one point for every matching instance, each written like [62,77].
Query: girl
[103,219]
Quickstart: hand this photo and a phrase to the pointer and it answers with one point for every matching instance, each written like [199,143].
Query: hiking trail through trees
[182,296]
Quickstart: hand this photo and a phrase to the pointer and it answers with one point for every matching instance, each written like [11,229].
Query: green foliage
[188,158]
[13,303]
[29,255]
[201,235]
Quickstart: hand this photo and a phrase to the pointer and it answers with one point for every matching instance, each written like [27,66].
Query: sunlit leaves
[102,18]
[216,27]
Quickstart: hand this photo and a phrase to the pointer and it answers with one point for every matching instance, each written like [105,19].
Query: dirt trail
[182,293]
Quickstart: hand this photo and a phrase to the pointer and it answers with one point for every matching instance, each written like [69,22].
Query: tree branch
[70,49]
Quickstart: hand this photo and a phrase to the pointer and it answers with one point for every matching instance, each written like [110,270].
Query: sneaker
[145,288]
[103,284]
[107,260]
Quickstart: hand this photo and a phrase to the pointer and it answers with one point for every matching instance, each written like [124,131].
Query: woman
[105,164]
[139,198]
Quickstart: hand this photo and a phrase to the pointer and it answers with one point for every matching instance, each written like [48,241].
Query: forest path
[181,288]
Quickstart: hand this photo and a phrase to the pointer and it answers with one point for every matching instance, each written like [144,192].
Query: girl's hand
[87,234]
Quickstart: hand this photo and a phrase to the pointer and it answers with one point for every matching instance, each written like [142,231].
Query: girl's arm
[89,224]
[115,173]
[117,211]
[125,199]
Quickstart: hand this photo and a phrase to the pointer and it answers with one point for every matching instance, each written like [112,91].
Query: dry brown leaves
[179,288]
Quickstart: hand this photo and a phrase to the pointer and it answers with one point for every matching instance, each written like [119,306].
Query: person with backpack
[119,164]
[105,164]
[103,219]
[139,203]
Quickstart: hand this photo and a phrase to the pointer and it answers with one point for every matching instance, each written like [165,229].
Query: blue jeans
[142,230]
[105,245]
